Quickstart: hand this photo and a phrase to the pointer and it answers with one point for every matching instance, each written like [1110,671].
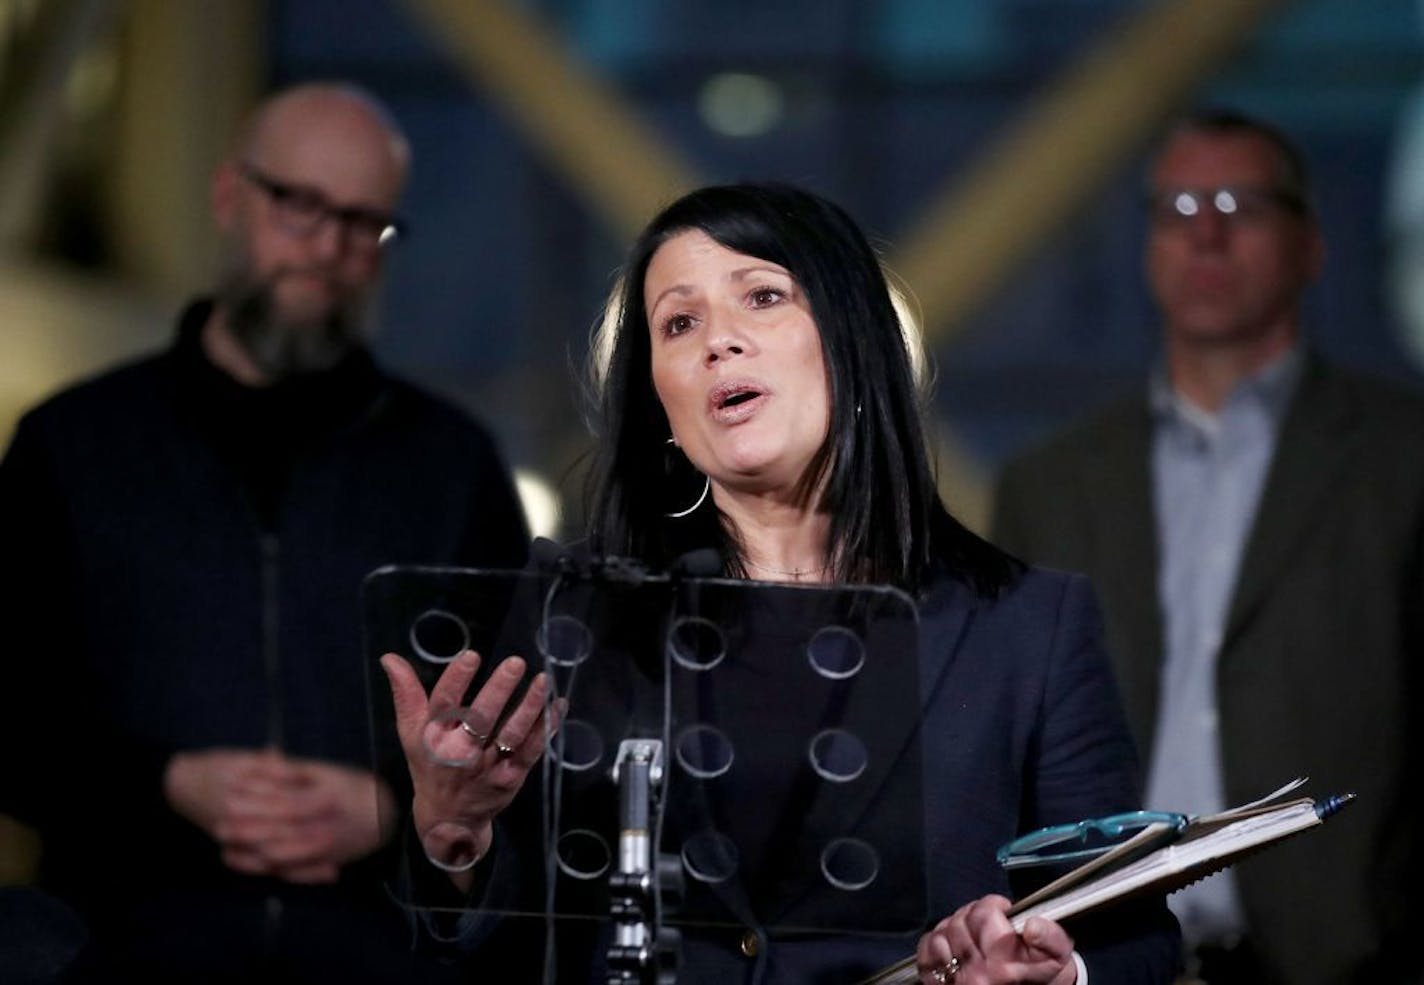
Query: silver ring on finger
[946,973]
[502,749]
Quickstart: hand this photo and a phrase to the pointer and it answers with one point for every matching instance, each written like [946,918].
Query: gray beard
[282,348]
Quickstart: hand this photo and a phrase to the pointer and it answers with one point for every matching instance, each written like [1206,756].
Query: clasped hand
[466,764]
[299,820]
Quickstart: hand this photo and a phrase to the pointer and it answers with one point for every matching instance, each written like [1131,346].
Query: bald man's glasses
[1175,206]
[301,211]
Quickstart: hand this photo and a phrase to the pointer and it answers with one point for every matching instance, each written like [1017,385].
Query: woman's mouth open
[735,401]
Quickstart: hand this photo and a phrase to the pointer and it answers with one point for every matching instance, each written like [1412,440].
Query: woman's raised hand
[466,763]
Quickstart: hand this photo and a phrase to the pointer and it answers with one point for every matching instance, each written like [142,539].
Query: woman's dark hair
[887,524]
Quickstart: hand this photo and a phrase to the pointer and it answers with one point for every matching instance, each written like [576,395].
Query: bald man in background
[185,537]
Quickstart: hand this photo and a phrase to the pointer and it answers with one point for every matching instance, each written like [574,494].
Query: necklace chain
[793,573]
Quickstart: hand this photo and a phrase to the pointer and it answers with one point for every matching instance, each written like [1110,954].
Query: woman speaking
[755,335]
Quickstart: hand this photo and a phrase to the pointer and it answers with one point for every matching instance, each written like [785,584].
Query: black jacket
[183,560]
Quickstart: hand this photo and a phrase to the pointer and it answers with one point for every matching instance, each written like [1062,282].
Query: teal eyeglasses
[1085,839]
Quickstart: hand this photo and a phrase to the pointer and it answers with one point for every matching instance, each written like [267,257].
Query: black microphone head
[705,562]
[551,556]
[546,553]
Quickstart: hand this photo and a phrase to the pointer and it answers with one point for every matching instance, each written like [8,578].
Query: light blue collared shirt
[1208,471]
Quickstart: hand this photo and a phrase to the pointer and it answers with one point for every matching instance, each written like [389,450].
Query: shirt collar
[1271,388]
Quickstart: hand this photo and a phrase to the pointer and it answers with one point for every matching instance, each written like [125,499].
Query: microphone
[546,553]
[549,555]
[705,562]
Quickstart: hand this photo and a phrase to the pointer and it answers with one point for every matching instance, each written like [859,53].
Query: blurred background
[993,149]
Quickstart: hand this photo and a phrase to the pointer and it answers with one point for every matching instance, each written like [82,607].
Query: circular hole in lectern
[696,643]
[836,652]
[837,755]
[704,751]
[710,857]
[450,845]
[438,636]
[850,864]
[576,746]
[582,854]
[564,641]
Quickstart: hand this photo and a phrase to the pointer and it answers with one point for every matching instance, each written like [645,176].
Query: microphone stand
[643,952]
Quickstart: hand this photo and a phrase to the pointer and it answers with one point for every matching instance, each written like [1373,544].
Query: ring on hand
[502,750]
[479,737]
[947,972]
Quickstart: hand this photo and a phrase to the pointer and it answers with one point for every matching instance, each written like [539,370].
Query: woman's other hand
[977,945]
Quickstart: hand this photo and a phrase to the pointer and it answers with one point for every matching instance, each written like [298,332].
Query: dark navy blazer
[1022,727]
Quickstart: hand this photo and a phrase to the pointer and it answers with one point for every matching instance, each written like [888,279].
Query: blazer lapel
[1118,485]
[1310,457]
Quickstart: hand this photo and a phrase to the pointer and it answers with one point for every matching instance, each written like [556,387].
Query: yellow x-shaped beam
[1044,167]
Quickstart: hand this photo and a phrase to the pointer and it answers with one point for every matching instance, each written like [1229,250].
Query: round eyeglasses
[1174,205]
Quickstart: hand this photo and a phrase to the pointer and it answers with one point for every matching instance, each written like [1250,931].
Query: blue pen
[1329,806]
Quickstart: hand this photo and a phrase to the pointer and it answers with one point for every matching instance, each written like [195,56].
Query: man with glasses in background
[185,539]
[1254,520]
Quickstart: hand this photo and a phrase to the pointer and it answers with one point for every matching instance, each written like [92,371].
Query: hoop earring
[706,488]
